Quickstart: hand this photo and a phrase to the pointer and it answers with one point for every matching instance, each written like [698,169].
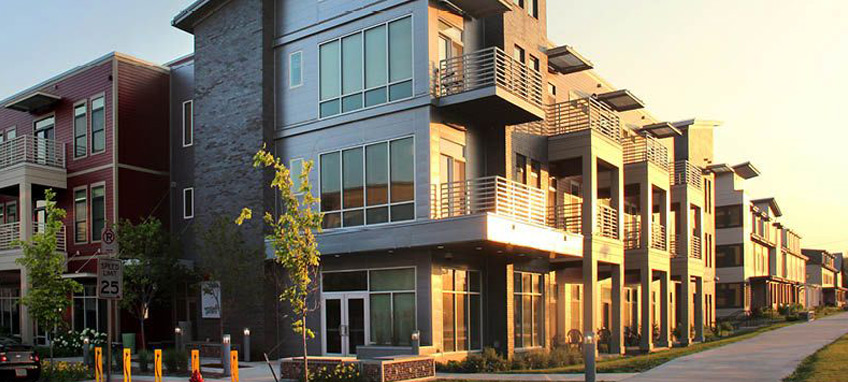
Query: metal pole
[109,335]
[589,355]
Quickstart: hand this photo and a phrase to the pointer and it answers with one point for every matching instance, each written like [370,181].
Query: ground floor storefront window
[88,311]
[10,317]
[528,309]
[461,310]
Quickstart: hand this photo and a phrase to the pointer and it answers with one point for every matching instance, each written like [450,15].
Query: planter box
[383,369]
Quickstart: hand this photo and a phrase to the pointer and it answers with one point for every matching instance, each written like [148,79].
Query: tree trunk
[143,340]
[305,352]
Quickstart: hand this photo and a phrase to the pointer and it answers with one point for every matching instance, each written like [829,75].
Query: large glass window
[98,125]
[366,68]
[392,306]
[728,216]
[88,311]
[528,313]
[80,215]
[98,211]
[729,295]
[461,310]
[371,184]
[10,318]
[728,255]
[80,130]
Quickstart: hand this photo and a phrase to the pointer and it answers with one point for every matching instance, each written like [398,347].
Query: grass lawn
[826,365]
[640,363]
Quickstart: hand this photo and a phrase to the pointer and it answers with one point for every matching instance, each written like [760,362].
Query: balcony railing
[696,246]
[31,149]
[645,149]
[492,194]
[685,172]
[672,245]
[658,237]
[632,232]
[607,221]
[485,68]
[10,233]
[583,114]
[567,217]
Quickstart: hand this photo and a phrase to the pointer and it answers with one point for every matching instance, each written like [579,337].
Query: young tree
[44,265]
[293,239]
[150,267]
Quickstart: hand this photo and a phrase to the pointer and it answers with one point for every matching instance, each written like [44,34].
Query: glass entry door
[345,322]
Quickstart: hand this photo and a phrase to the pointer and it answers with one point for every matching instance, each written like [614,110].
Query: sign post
[110,286]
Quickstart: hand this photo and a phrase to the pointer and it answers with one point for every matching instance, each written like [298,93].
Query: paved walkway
[605,377]
[770,356]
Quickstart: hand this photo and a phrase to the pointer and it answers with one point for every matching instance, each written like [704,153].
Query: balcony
[10,233]
[684,172]
[607,221]
[632,232]
[490,84]
[696,246]
[566,217]
[41,160]
[584,114]
[658,237]
[639,149]
[494,195]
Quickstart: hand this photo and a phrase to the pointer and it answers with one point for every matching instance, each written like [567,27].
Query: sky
[772,71]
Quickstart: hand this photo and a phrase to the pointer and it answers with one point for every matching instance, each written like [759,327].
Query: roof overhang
[186,19]
[33,102]
[565,59]
[620,100]
[720,168]
[660,130]
[772,203]
[480,8]
[746,170]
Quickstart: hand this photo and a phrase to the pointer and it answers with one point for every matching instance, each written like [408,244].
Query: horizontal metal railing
[60,236]
[658,237]
[696,247]
[607,221]
[567,217]
[488,67]
[645,149]
[684,172]
[10,234]
[632,232]
[576,115]
[672,245]
[31,149]
[492,194]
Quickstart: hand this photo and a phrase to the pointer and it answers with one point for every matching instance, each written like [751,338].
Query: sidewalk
[257,372]
[610,377]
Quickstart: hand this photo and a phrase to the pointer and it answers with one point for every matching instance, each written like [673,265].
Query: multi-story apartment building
[97,136]
[824,279]
[479,183]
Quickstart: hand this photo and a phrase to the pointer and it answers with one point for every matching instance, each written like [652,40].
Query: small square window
[188,203]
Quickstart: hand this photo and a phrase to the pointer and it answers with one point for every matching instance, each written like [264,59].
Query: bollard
[416,341]
[98,364]
[127,365]
[225,354]
[178,338]
[157,365]
[246,351]
[195,360]
[86,343]
[589,354]
[234,372]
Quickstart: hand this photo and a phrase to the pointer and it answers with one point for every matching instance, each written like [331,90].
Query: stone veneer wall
[374,370]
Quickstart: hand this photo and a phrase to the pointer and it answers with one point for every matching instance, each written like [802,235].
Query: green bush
[487,361]
[175,361]
[790,309]
[144,358]
[343,372]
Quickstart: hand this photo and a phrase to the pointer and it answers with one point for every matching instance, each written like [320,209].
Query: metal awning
[660,130]
[620,100]
[746,170]
[33,102]
[481,8]
[565,59]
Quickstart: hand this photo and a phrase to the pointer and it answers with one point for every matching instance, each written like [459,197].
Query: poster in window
[210,299]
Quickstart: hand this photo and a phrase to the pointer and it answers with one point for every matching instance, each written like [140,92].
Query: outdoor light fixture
[246,331]
[589,356]
[415,336]
[178,331]
[226,339]
[246,345]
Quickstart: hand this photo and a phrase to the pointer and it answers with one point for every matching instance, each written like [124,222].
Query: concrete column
[25,217]
[510,311]
[590,297]
[699,309]
[646,319]
[665,309]
[617,329]
[590,197]
[26,322]
[617,197]
[685,301]
[665,215]
[645,212]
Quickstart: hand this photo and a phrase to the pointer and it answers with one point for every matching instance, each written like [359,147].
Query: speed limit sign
[110,278]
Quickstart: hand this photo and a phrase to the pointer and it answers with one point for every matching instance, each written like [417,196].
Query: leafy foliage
[342,372]
[293,239]
[49,292]
[63,371]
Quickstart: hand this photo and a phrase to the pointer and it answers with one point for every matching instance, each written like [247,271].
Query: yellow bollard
[195,360]
[127,365]
[234,377]
[98,364]
[157,365]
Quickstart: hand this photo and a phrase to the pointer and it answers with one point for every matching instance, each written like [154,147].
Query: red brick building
[98,136]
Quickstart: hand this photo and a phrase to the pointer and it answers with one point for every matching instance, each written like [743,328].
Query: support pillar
[685,314]
[26,322]
[646,319]
[590,301]
[25,221]
[665,308]
[699,309]
[617,329]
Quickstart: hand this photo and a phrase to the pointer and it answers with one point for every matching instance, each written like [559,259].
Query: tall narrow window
[518,53]
[529,315]
[377,183]
[80,215]
[98,211]
[461,310]
[188,203]
[400,59]
[535,174]
[352,73]
[98,125]
[376,66]
[11,212]
[535,63]
[533,8]
[352,179]
[188,123]
[296,69]
[331,188]
[80,130]
[402,180]
[520,173]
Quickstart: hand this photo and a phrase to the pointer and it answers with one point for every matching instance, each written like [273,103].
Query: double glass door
[345,322]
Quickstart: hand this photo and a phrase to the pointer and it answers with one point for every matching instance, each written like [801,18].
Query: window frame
[723,263]
[183,122]
[91,100]
[365,90]
[76,215]
[292,85]
[95,237]
[86,113]
[725,220]
[188,190]
[365,205]
[538,320]
[468,294]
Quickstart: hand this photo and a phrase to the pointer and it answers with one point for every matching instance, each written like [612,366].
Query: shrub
[62,371]
[343,372]
[487,361]
[175,361]
[565,356]
[145,357]
[70,343]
